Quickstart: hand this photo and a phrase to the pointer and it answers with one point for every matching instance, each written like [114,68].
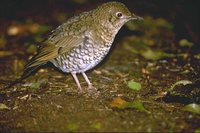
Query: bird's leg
[77,82]
[88,81]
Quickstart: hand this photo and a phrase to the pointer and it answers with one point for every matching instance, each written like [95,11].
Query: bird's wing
[67,36]
[49,51]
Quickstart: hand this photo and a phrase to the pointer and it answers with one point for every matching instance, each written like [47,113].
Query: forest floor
[149,82]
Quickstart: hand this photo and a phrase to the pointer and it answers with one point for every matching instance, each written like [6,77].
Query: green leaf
[160,22]
[197,130]
[193,107]
[72,127]
[96,125]
[134,105]
[3,106]
[122,104]
[185,43]
[137,105]
[35,85]
[149,54]
[134,85]
[43,28]
[31,49]
[131,26]
[197,56]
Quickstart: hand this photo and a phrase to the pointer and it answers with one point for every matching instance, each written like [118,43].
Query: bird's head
[116,14]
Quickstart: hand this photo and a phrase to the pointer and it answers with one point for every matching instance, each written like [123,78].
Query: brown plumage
[83,41]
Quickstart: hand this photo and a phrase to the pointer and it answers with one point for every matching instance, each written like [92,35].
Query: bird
[83,41]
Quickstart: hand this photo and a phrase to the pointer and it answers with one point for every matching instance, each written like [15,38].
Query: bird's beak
[134,17]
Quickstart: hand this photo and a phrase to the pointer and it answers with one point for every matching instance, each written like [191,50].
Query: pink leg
[77,82]
[90,87]
[86,79]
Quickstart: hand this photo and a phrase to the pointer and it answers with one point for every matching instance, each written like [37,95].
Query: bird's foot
[80,90]
[92,91]
[88,91]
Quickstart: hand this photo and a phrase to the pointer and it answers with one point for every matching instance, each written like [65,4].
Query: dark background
[184,14]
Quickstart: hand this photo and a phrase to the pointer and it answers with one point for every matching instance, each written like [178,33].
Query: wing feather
[50,51]
[62,40]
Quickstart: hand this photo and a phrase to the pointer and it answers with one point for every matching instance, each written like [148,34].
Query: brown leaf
[118,101]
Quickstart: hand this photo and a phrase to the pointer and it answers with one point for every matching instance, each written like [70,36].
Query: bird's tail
[44,55]
[26,73]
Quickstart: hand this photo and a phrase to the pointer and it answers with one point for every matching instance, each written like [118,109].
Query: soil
[48,100]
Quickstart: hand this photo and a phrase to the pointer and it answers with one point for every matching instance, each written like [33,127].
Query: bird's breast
[81,58]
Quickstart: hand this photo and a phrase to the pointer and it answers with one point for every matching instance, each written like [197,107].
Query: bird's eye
[119,14]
